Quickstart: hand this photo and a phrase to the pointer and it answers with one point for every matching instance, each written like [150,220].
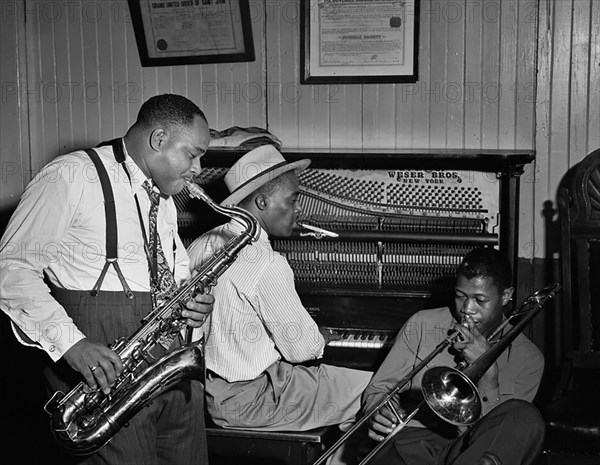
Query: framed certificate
[183,32]
[359,41]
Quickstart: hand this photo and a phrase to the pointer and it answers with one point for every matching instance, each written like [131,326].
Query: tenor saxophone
[85,419]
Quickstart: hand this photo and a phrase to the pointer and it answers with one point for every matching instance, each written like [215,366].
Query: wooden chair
[573,417]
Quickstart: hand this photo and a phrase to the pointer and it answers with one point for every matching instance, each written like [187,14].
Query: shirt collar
[238,227]
[135,172]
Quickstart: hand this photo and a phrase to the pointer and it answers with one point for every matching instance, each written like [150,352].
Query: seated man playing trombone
[510,430]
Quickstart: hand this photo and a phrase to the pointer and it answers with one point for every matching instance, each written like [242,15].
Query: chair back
[579,210]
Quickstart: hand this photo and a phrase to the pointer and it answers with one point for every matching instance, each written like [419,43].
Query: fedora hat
[255,169]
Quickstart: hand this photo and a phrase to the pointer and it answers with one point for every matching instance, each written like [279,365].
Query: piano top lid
[490,160]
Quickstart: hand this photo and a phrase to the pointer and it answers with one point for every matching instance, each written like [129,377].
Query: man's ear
[261,201]
[507,295]
[157,139]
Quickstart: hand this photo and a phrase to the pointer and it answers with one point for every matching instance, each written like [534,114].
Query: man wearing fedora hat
[259,331]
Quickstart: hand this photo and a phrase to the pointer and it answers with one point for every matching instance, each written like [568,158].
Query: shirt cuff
[55,341]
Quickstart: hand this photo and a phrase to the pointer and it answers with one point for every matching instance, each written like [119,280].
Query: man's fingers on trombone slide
[381,426]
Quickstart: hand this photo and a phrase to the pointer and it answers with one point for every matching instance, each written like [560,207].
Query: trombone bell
[451,395]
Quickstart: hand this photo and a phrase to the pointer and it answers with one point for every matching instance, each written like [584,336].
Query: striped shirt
[258,317]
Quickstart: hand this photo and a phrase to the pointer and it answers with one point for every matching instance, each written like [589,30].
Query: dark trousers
[510,434]
[168,431]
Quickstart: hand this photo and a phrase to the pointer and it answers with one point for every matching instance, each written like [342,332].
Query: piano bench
[249,447]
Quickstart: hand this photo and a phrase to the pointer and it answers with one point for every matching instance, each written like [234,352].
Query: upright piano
[403,219]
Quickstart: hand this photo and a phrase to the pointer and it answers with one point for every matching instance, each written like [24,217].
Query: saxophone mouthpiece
[316,232]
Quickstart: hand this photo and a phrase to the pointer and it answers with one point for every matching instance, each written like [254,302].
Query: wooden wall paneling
[594,79]
[313,123]
[34,88]
[206,91]
[313,107]
[272,80]
[413,108]
[346,115]
[453,86]
[559,156]
[487,87]
[508,75]
[283,78]
[122,90]
[196,92]
[164,79]
[91,75]
[225,95]
[433,84]
[66,90]
[75,75]
[525,17]
[543,99]
[473,44]
[255,91]
[379,126]
[14,158]
[179,79]
[133,88]
[579,80]
[106,67]
[526,59]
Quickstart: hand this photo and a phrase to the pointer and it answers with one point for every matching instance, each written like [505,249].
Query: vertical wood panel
[526,67]
[14,159]
[473,44]
[508,74]
[487,88]
[526,58]
[452,87]
[346,116]
[579,79]
[414,111]
[106,81]
[91,74]
[560,117]
[433,84]
[594,79]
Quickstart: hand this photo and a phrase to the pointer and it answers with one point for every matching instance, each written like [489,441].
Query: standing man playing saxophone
[91,249]
[511,431]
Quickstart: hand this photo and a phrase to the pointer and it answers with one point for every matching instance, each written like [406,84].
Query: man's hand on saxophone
[198,310]
[98,364]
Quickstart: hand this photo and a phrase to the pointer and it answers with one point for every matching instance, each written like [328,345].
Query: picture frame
[186,32]
[355,42]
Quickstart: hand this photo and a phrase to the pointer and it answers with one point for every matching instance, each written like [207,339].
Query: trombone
[450,392]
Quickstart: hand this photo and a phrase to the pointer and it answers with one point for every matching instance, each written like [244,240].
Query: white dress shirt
[258,317]
[59,229]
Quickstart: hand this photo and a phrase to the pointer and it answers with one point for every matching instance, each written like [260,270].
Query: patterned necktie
[162,282]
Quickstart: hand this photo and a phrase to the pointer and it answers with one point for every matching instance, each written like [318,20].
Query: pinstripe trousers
[168,431]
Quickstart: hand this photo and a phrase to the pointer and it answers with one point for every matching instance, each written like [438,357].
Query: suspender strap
[111,227]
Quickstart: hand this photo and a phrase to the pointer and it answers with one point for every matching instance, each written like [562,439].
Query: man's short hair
[487,262]
[169,110]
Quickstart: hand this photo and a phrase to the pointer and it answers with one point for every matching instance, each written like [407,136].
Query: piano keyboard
[362,338]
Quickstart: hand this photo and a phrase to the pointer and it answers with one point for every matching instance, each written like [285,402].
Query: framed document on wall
[183,32]
[359,41]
